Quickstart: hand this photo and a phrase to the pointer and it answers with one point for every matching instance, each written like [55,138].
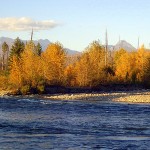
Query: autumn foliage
[32,70]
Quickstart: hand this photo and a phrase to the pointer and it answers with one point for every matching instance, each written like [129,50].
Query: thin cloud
[25,24]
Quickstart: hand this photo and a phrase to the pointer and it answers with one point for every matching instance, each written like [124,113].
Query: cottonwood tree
[16,72]
[90,67]
[54,62]
[118,54]
[82,71]
[26,70]
[123,67]
[146,72]
[31,65]
[70,75]
[140,61]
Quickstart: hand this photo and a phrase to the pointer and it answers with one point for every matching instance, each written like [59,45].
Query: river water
[30,124]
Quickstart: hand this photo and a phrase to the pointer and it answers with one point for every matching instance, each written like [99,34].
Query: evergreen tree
[38,49]
[17,48]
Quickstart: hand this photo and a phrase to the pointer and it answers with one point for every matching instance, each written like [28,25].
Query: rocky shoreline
[85,96]
[126,96]
[137,96]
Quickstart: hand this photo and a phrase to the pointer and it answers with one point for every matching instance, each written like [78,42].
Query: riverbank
[135,96]
[142,96]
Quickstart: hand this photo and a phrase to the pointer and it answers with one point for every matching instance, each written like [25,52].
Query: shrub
[41,89]
[25,89]
[41,86]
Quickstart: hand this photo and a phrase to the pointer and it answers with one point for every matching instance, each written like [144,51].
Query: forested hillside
[27,69]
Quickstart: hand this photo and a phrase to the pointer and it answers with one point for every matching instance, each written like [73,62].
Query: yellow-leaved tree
[123,67]
[89,69]
[69,74]
[54,63]
[146,72]
[26,71]
[82,71]
[31,65]
[16,72]
[140,61]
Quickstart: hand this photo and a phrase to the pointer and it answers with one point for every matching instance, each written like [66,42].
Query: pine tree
[17,48]
[38,49]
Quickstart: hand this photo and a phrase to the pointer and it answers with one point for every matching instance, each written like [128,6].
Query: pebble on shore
[128,97]
[143,98]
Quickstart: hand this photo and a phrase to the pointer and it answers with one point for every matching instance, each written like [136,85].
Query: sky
[76,23]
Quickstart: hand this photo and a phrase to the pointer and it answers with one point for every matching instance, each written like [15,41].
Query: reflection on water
[44,124]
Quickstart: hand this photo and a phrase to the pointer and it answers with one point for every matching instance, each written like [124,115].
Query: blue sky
[79,22]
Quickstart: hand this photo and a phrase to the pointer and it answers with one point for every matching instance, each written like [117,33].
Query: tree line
[27,68]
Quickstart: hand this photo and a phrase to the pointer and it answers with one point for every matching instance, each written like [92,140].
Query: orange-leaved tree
[54,63]
[31,65]
[16,72]
[140,61]
[89,69]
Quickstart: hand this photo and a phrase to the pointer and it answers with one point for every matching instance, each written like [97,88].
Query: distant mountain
[44,43]
[121,44]
[9,41]
[5,39]
[72,52]
[125,45]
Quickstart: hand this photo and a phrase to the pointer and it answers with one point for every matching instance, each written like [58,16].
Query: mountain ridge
[121,44]
[44,43]
[125,45]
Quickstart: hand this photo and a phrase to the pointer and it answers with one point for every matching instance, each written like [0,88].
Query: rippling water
[44,124]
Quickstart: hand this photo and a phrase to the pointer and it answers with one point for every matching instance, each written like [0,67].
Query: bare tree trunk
[7,59]
[2,61]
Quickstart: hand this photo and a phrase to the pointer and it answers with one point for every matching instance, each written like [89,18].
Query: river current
[33,124]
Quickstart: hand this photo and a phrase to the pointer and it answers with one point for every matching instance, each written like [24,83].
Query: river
[31,124]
